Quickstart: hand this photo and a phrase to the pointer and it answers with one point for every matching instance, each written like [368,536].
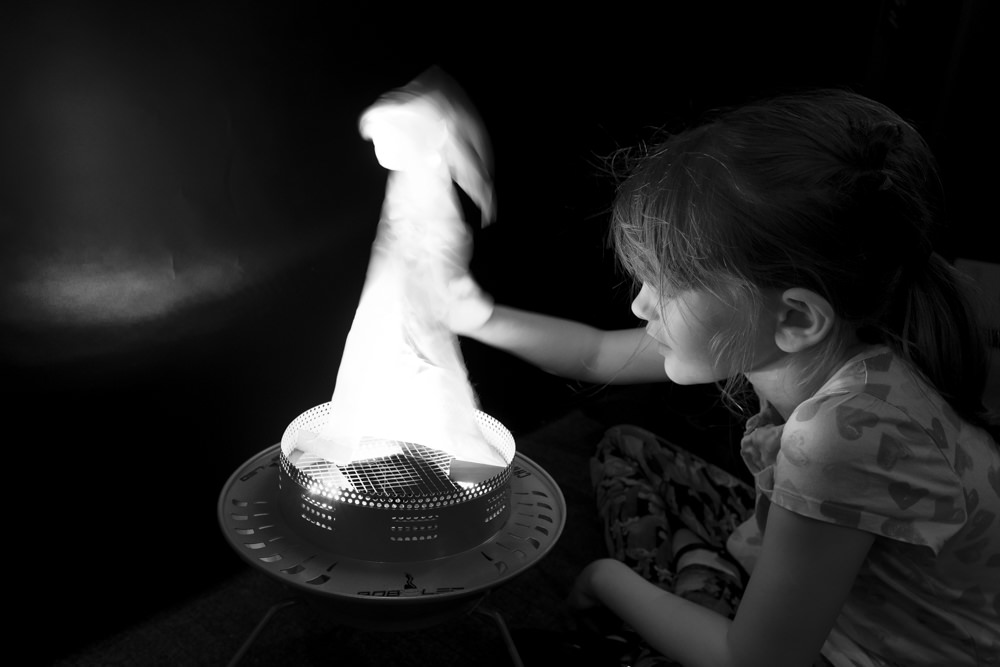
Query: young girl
[787,243]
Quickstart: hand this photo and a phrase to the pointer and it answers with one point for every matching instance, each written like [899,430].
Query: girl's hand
[469,307]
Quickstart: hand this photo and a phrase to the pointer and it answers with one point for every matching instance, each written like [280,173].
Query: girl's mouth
[660,345]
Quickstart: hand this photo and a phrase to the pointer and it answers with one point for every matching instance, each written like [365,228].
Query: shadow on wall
[162,160]
[149,169]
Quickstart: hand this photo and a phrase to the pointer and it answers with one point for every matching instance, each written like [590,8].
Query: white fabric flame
[402,376]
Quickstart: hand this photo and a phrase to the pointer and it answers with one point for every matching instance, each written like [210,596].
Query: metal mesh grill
[410,470]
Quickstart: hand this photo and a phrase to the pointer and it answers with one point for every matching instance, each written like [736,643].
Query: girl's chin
[689,376]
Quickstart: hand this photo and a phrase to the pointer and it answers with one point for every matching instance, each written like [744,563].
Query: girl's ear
[804,318]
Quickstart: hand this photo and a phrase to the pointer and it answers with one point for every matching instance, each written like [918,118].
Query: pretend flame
[402,377]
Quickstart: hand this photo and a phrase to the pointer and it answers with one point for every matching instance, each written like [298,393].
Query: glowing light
[116,290]
[402,377]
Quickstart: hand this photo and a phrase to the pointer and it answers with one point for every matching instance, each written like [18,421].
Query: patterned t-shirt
[878,449]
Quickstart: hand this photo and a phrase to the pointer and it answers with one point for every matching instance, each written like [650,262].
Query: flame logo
[409,581]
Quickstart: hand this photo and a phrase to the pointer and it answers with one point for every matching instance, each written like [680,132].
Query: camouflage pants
[647,489]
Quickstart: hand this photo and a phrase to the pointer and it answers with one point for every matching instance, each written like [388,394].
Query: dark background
[186,210]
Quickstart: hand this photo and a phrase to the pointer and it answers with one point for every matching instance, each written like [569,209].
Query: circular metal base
[371,593]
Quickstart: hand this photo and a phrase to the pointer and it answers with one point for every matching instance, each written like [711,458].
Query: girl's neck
[793,378]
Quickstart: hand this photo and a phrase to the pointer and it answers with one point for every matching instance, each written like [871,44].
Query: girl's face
[684,326]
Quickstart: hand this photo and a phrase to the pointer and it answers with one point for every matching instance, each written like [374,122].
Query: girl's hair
[826,190]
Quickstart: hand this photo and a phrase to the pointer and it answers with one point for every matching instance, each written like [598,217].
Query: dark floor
[208,625]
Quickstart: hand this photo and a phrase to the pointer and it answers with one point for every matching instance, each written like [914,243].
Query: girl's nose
[644,304]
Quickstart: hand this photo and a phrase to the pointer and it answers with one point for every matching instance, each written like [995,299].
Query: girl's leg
[648,489]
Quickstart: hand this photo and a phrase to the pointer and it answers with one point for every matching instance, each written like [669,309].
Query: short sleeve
[855,460]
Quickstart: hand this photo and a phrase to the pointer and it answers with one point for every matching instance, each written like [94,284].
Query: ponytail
[933,323]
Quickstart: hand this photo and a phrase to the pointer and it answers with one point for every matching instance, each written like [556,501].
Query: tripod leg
[515,657]
[268,615]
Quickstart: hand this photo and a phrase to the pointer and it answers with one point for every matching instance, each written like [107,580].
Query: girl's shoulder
[878,443]
[877,416]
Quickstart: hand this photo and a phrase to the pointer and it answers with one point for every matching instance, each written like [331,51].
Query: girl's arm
[562,347]
[573,350]
[805,572]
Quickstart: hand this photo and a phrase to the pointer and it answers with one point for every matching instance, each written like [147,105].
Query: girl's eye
[665,292]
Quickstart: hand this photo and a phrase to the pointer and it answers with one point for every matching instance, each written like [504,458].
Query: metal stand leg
[268,615]
[515,657]
[484,609]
